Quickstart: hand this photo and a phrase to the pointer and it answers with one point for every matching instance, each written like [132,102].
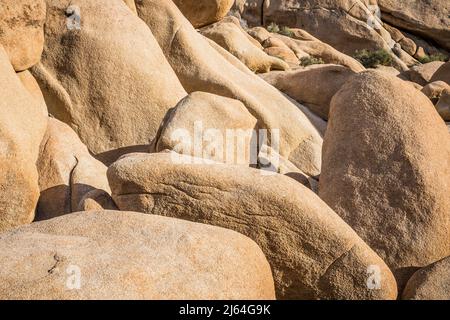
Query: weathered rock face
[21,31]
[203,12]
[442,74]
[312,252]
[405,42]
[430,283]
[210,127]
[107,78]
[313,86]
[31,85]
[303,44]
[201,68]
[126,255]
[67,172]
[345,24]
[229,57]
[423,73]
[23,120]
[277,48]
[229,35]
[426,18]
[386,170]
[443,105]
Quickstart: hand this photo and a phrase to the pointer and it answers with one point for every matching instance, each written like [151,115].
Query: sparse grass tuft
[371,59]
[308,61]
[274,28]
[434,57]
[286,31]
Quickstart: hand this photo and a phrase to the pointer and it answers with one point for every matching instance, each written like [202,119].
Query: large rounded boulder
[128,255]
[23,121]
[103,73]
[312,252]
[386,170]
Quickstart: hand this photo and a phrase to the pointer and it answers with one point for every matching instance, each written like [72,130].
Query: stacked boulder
[178,149]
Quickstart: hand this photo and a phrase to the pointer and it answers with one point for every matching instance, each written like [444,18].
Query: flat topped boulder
[126,255]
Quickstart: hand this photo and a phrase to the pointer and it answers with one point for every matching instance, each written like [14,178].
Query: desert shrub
[307,61]
[371,59]
[286,31]
[273,27]
[433,57]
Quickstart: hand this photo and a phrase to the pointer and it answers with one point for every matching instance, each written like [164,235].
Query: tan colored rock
[271,161]
[107,78]
[430,283]
[316,121]
[426,18]
[228,34]
[201,68]
[22,31]
[210,127]
[127,255]
[406,43]
[387,70]
[422,73]
[386,170]
[409,46]
[434,90]
[439,94]
[30,83]
[67,172]
[343,23]
[203,12]
[277,48]
[443,105]
[131,4]
[23,121]
[260,34]
[420,54]
[285,54]
[403,57]
[313,86]
[305,43]
[229,57]
[312,252]
[442,74]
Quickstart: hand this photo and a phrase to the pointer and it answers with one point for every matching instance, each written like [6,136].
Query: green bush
[433,57]
[371,59]
[307,61]
[286,31]
[274,28]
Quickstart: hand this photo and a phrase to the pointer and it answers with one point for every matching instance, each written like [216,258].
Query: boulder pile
[247,149]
